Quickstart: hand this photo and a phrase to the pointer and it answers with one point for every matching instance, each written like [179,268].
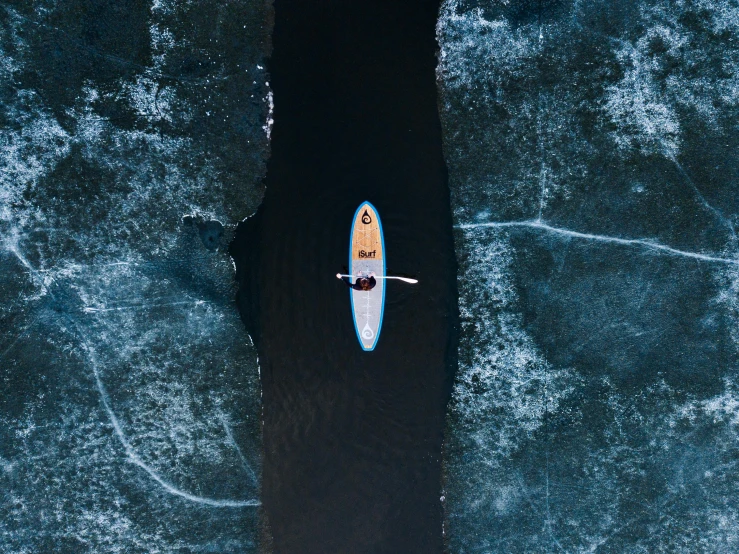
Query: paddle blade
[406,279]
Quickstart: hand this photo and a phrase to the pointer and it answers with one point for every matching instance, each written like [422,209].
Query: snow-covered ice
[592,156]
[130,410]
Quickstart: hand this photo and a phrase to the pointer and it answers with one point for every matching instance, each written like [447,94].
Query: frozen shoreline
[131,398]
[591,150]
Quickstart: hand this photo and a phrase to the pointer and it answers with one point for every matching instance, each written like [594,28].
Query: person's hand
[338,275]
[372,274]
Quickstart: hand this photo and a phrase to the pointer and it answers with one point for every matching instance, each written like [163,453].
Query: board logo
[366,219]
[367,332]
[365,254]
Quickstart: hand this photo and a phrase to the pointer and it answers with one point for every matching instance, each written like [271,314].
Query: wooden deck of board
[367,237]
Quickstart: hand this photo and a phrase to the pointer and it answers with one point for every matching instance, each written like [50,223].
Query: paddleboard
[367,254]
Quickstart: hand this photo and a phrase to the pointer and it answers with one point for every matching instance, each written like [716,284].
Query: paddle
[406,279]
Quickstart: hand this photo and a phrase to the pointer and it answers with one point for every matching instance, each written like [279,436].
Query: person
[363,283]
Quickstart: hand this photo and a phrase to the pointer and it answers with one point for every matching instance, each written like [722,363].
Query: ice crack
[721,217]
[643,243]
[91,309]
[232,440]
[136,460]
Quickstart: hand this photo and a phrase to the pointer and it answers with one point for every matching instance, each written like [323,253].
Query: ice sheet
[592,156]
[132,143]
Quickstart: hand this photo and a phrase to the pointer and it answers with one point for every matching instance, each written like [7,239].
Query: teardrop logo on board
[366,219]
[367,332]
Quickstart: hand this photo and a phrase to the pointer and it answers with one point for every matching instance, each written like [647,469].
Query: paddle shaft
[406,279]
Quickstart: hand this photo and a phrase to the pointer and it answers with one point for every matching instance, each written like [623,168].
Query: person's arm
[347,280]
[372,281]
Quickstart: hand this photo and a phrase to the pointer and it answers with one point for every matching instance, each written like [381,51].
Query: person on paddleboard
[363,283]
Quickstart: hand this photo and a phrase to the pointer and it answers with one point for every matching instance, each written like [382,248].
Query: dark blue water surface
[352,439]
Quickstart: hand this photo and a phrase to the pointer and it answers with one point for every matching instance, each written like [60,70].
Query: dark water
[352,439]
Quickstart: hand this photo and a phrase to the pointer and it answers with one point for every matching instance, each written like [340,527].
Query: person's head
[364,283]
